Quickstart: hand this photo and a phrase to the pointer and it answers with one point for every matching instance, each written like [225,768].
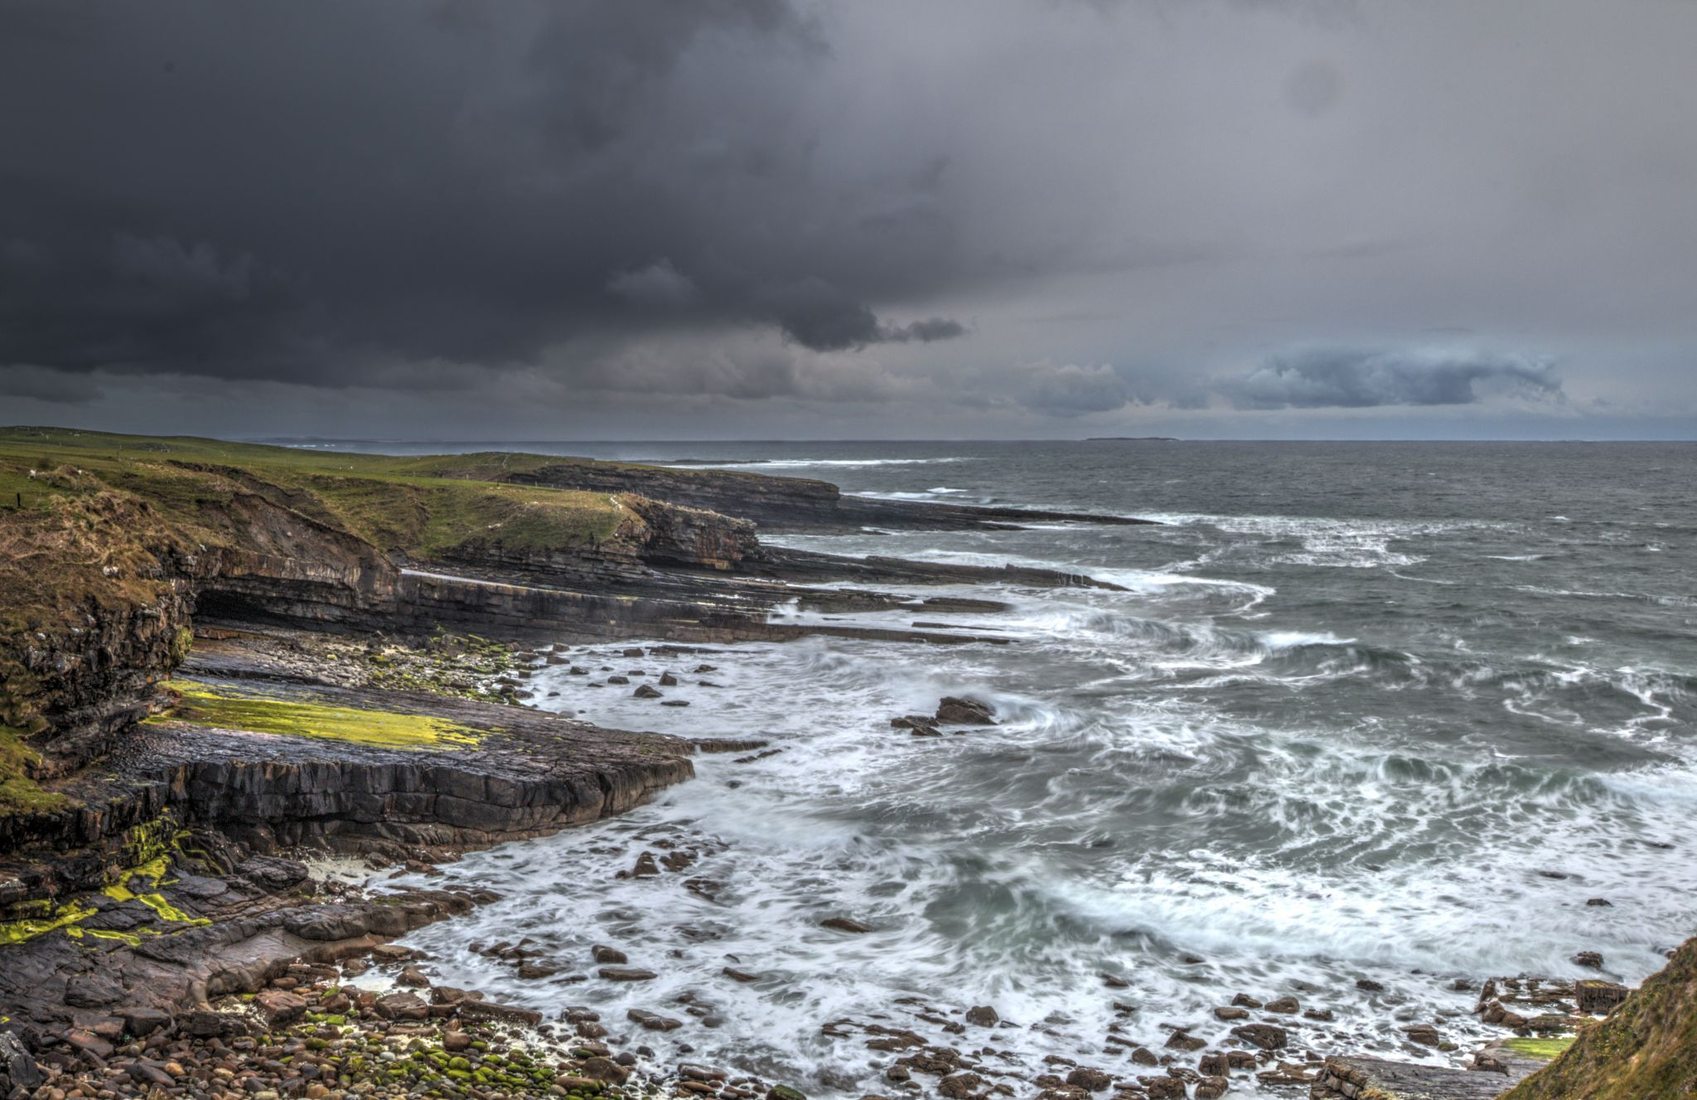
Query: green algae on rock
[203,705]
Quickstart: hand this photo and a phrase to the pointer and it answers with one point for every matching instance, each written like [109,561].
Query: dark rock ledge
[163,888]
[528,774]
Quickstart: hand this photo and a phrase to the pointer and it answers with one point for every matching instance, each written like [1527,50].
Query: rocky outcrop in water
[790,503]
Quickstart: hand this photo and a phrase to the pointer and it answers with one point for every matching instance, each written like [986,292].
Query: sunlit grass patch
[1542,1049]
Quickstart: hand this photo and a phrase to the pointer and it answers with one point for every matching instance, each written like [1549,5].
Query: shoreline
[191,711]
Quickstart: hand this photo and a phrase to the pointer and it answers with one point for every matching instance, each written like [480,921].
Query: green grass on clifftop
[423,506]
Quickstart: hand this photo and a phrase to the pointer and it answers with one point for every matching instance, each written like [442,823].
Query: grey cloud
[752,368]
[821,317]
[927,331]
[1073,390]
[1355,378]
[657,286]
[795,201]
[51,386]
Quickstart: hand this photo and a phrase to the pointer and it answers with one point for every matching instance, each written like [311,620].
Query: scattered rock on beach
[1265,1036]
[1092,1080]
[626,974]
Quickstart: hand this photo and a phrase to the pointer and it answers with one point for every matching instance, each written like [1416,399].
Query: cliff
[96,607]
[1647,1047]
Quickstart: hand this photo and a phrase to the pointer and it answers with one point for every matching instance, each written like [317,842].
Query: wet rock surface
[1360,1078]
[219,967]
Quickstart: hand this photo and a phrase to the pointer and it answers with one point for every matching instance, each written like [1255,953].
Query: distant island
[1131,439]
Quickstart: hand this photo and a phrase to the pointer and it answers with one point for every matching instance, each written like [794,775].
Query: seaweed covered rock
[1646,1047]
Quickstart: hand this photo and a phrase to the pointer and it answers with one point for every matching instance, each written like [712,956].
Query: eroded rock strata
[153,783]
[159,938]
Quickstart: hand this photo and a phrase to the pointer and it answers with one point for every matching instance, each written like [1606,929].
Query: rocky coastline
[217,670]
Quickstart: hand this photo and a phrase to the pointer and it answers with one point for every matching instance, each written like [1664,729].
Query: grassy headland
[420,506]
[97,532]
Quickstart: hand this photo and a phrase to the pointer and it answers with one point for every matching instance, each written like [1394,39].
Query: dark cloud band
[1358,379]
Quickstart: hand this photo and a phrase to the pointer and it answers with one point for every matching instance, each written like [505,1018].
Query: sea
[1367,724]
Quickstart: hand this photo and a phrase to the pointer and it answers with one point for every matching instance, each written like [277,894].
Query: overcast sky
[880,218]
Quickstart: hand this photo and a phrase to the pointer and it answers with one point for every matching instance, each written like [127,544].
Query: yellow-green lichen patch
[1541,1049]
[133,939]
[56,917]
[200,704]
[152,842]
[150,876]
[155,901]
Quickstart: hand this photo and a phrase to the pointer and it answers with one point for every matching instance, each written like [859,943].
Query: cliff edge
[1645,1048]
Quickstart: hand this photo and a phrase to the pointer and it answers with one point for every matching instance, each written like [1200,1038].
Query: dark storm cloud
[823,318]
[318,191]
[1353,378]
[620,211]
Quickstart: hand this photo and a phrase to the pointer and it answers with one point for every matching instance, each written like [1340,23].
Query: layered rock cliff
[97,609]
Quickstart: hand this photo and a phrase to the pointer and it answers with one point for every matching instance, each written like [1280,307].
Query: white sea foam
[1301,777]
[828,463]
[1322,541]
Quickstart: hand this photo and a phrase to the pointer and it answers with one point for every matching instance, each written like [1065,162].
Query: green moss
[1541,1049]
[200,704]
[19,793]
